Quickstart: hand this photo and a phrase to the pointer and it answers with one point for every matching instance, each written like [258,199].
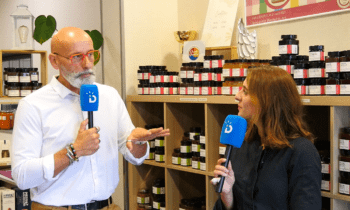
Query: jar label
[344,89]
[219,77]
[173,79]
[288,49]
[159,143]
[227,90]
[34,78]
[217,63]
[303,90]
[186,161]
[344,166]
[300,73]
[145,76]
[288,68]
[158,190]
[190,90]
[325,185]
[140,91]
[150,156]
[316,56]
[344,144]
[207,91]
[190,74]
[222,150]
[142,200]
[173,91]
[219,91]
[151,79]
[202,166]
[152,91]
[162,208]
[25,92]
[202,153]
[157,79]
[24,79]
[333,67]
[196,77]
[317,73]
[215,90]
[326,168]
[239,72]
[197,91]
[13,78]
[227,72]
[13,93]
[192,135]
[344,66]
[159,158]
[196,148]
[235,90]
[344,188]
[166,79]
[332,89]
[183,74]
[316,90]
[202,139]
[156,205]
[206,64]
[5,77]
[166,91]
[176,160]
[139,76]
[183,91]
[152,144]
[185,149]
[195,164]
[207,77]
[157,91]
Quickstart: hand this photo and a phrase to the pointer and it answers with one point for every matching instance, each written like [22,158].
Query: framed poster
[260,12]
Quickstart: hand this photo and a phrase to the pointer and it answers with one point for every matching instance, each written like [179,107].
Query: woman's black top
[276,179]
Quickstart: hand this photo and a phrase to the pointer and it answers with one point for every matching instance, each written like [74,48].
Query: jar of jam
[344,164]
[202,152]
[218,88]
[203,166]
[316,53]
[344,142]
[159,154]
[217,61]
[301,71]
[326,182]
[196,160]
[176,157]
[287,65]
[333,84]
[345,61]
[173,77]
[173,88]
[208,75]
[143,196]
[197,88]
[158,187]
[186,159]
[13,75]
[317,86]
[344,183]
[288,45]
[302,86]
[240,68]
[24,75]
[317,69]
[13,89]
[202,137]
[186,144]
[198,75]
[227,68]
[196,144]
[333,62]
[207,88]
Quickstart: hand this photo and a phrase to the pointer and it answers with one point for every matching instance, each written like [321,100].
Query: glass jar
[13,75]
[240,68]
[316,53]
[207,61]
[208,75]
[203,166]
[345,84]
[218,89]
[288,45]
[13,89]
[186,159]
[173,77]
[158,187]
[333,62]
[186,144]
[176,157]
[303,59]
[190,71]
[333,84]
[197,75]
[301,71]
[344,142]
[217,61]
[325,183]
[143,196]
[227,68]
[202,137]
[157,202]
[207,88]
[302,86]
[317,86]
[344,61]
[344,183]
[287,65]
[194,131]
[187,87]
[196,160]
[202,153]
[317,69]
[196,144]
[5,74]
[159,142]
[197,90]
[159,154]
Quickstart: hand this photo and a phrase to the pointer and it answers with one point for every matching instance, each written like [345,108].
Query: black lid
[173,73]
[174,84]
[206,70]
[289,36]
[334,75]
[334,54]
[26,84]
[207,57]
[302,81]
[345,53]
[229,79]
[303,57]
[160,149]
[203,133]
[346,75]
[316,48]
[218,70]
[196,154]
[317,64]
[199,64]
[197,83]
[288,57]
[218,83]
[301,66]
[318,81]
[244,60]
[288,42]
[13,84]
[221,57]
[196,137]
[13,69]
[177,150]
[195,129]
[36,84]
[208,83]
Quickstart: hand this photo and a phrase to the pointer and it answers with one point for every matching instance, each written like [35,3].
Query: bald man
[66,165]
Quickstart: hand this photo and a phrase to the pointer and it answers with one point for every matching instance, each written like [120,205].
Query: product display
[288,45]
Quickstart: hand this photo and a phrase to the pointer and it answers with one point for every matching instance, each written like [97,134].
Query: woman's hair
[279,108]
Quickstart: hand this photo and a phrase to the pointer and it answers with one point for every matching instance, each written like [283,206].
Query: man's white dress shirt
[47,121]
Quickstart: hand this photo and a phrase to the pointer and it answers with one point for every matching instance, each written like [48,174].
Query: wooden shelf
[326,115]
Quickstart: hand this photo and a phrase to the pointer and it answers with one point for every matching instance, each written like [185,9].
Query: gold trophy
[182,36]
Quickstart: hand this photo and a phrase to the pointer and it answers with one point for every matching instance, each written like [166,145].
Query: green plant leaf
[95,55]
[44,28]
[96,37]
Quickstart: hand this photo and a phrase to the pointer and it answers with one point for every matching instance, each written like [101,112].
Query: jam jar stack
[156,152]
[158,193]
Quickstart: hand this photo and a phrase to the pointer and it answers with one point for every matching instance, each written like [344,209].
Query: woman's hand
[220,170]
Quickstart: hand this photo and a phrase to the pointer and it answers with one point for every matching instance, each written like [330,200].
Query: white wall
[83,14]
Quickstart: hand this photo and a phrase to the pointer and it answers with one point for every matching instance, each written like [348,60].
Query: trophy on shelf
[182,36]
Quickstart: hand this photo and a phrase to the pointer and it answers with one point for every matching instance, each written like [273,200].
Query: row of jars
[338,61]
[21,75]
[20,89]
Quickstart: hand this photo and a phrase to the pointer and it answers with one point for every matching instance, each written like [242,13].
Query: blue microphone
[89,101]
[232,134]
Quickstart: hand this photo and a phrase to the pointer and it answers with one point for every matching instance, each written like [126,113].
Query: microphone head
[89,98]
[233,131]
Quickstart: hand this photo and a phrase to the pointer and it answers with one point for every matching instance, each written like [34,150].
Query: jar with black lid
[194,131]
[157,202]
[159,154]
[287,65]
[207,61]
[13,89]
[344,61]
[25,89]
[207,88]
[186,159]
[345,84]
[286,57]
[227,68]
[288,45]
[5,74]
[196,147]
[317,69]
[333,62]
[317,86]
[202,152]
[344,182]
[198,75]
[344,142]
[208,74]
[217,61]
[203,166]
[185,204]
[333,84]
[162,205]
[176,157]
[173,77]
[13,75]
[143,196]
[158,187]
[316,53]
[197,88]
[173,88]
[196,160]
[151,154]
[302,86]
[190,70]
[186,144]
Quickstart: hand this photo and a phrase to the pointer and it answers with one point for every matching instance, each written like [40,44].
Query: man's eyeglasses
[77,59]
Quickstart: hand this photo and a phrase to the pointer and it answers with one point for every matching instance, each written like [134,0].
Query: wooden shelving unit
[326,115]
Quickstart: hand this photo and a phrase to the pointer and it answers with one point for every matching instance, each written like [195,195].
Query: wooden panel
[212,196]
[146,113]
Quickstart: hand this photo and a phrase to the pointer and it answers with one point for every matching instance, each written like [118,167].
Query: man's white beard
[76,81]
